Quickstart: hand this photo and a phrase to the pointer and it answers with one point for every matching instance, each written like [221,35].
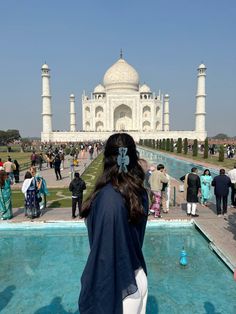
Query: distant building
[122,104]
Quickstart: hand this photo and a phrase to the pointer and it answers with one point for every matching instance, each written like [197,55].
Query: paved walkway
[50,177]
[221,231]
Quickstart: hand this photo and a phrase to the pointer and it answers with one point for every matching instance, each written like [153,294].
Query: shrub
[195,147]
[171,145]
[221,153]
[179,145]
[185,146]
[168,145]
[164,144]
[206,148]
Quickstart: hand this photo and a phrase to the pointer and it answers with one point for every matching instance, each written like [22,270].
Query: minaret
[72,113]
[166,123]
[200,99]
[46,100]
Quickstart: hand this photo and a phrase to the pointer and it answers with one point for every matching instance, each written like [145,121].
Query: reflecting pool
[41,268]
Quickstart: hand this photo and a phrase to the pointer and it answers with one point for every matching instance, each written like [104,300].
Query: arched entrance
[123,118]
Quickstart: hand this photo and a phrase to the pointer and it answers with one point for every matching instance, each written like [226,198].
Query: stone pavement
[50,177]
[221,231]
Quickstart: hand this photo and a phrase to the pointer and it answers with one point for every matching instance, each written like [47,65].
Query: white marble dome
[121,75]
[202,66]
[99,89]
[45,66]
[144,89]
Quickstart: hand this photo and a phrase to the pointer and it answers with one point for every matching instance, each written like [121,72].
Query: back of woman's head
[123,170]
[28,175]
[111,153]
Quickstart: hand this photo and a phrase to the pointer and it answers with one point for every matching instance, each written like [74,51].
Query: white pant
[191,208]
[136,303]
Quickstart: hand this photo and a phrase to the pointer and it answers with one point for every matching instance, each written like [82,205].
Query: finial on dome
[121,54]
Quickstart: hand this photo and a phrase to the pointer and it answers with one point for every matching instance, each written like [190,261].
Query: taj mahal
[122,104]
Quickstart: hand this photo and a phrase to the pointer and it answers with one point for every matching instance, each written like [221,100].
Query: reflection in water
[5,296]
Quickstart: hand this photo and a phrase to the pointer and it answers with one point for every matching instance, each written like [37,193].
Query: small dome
[45,67]
[121,75]
[144,89]
[201,66]
[167,96]
[72,96]
[99,89]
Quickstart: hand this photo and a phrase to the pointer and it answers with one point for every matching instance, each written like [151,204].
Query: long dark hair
[129,184]
[3,177]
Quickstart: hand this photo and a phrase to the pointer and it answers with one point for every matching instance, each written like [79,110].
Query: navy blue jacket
[116,252]
[221,184]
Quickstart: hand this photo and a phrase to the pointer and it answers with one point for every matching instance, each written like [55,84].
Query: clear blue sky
[164,40]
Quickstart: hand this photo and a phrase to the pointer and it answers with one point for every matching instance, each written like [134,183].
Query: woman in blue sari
[5,196]
[206,180]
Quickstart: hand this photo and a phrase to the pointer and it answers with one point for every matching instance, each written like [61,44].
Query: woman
[206,180]
[5,196]
[16,171]
[30,188]
[114,279]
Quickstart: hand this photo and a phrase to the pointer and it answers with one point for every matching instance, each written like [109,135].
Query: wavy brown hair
[3,177]
[129,184]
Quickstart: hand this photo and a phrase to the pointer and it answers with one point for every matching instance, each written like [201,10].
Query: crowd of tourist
[197,189]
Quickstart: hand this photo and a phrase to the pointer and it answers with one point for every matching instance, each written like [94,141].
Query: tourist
[206,180]
[192,185]
[9,167]
[1,163]
[232,176]
[5,196]
[156,180]
[91,150]
[57,166]
[40,161]
[42,191]
[114,279]
[77,186]
[33,158]
[26,183]
[31,188]
[221,184]
[16,171]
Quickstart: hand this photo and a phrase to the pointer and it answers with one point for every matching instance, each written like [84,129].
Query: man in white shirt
[232,176]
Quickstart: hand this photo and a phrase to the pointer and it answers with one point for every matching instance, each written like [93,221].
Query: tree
[195,147]
[206,148]
[9,136]
[221,153]
[220,136]
[179,145]
[185,146]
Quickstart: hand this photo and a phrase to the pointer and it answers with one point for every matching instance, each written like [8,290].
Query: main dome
[121,75]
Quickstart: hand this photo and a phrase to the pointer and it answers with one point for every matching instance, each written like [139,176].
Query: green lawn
[60,197]
[22,158]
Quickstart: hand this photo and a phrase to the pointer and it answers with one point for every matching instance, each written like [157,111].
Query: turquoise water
[41,268]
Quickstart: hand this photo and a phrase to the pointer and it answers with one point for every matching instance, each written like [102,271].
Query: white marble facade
[121,103]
